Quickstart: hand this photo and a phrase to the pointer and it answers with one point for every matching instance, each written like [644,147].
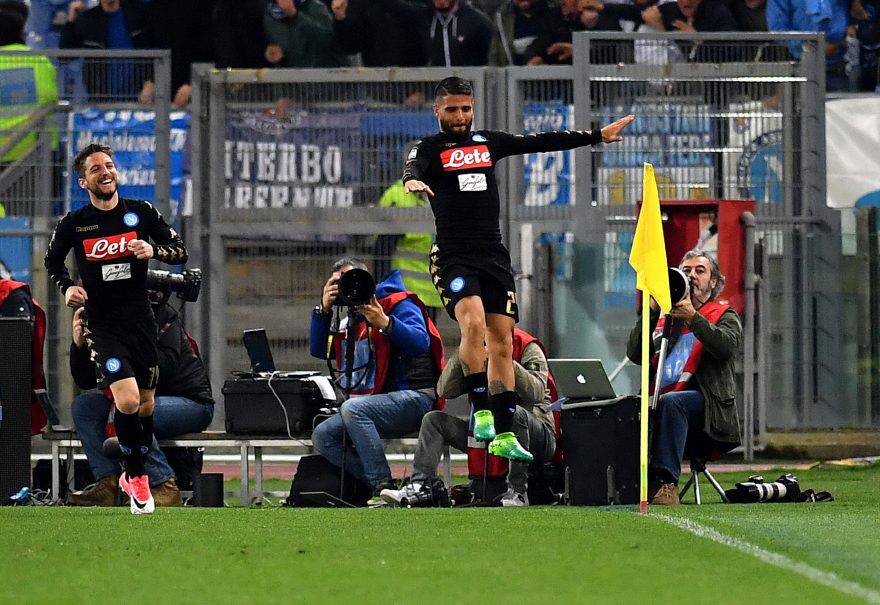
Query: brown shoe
[167,494]
[667,495]
[102,493]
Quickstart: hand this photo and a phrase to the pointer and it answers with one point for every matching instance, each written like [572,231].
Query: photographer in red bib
[697,407]
[470,266]
[110,238]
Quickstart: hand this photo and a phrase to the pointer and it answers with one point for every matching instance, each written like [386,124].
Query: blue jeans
[366,420]
[172,416]
[678,413]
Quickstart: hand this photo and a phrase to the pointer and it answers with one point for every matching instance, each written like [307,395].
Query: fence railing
[293,168]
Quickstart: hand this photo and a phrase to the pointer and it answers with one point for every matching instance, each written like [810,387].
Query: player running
[469,264]
[109,238]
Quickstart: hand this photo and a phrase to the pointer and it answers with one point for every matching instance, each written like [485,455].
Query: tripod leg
[687,485]
[697,488]
[716,485]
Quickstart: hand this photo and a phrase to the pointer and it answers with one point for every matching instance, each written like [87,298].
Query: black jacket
[382,38]
[236,33]
[464,40]
[181,371]
[89,30]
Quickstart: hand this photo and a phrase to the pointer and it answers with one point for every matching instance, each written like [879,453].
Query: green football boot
[505,445]
[484,425]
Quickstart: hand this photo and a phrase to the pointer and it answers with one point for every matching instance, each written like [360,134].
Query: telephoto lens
[432,494]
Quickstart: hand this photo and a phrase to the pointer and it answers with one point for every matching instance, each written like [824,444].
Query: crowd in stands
[382,33]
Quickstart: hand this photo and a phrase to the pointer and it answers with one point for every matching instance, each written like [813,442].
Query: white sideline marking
[826,578]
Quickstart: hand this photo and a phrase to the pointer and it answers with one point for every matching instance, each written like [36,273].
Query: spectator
[517,24]
[33,86]
[830,17]
[184,404]
[376,32]
[866,21]
[44,24]
[177,25]
[452,31]
[750,15]
[683,15]
[112,25]
[554,46]
[234,30]
[299,34]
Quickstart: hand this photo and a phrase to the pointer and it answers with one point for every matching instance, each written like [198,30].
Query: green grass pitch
[830,553]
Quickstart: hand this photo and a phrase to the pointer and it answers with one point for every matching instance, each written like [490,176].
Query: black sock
[503,408]
[477,386]
[128,429]
[146,434]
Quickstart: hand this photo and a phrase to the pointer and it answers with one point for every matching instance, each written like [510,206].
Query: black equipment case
[316,475]
[601,445]
[252,409]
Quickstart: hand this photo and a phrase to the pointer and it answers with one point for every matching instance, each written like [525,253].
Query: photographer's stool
[701,451]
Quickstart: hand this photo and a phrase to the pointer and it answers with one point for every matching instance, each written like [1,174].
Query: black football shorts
[123,350]
[482,271]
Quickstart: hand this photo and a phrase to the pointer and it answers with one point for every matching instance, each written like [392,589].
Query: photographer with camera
[183,401]
[533,424]
[398,355]
[697,406]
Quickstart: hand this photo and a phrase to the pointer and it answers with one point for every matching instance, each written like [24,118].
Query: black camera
[356,287]
[186,285]
[433,494]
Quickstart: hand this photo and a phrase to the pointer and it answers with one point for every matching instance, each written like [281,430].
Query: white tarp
[852,132]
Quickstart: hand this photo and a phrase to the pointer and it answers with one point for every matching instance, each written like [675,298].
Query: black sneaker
[376,499]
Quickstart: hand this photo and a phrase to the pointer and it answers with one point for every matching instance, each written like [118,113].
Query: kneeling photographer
[533,423]
[697,408]
[184,403]
[398,356]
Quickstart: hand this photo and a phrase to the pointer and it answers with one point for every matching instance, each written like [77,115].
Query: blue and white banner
[309,160]
[132,136]
[549,177]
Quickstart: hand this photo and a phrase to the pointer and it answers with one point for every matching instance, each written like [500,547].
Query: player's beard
[461,133]
[104,195]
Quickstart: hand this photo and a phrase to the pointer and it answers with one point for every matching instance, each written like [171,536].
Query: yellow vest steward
[26,84]
[411,255]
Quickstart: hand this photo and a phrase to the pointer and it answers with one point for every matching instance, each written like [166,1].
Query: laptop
[258,351]
[51,412]
[580,379]
[262,364]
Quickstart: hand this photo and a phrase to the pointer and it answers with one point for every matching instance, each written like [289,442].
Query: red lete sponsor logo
[105,248]
[465,158]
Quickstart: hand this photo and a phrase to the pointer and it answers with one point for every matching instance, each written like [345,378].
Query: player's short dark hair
[79,162]
[452,86]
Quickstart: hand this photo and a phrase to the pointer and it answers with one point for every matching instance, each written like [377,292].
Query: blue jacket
[829,16]
[409,336]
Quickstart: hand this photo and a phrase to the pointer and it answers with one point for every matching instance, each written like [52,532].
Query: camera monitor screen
[257,346]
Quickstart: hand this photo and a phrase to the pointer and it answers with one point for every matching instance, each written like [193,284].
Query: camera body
[186,285]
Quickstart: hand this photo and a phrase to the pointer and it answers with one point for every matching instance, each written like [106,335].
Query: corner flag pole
[648,258]
[643,415]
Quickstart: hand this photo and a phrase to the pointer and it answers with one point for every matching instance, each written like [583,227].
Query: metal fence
[46,99]
[289,169]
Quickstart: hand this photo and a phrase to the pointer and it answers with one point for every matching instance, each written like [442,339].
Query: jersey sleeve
[168,246]
[506,144]
[56,254]
[417,161]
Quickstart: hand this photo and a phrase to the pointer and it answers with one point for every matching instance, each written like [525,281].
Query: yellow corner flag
[648,258]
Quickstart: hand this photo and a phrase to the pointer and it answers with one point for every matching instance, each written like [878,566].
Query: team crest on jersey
[113,365]
[465,158]
[478,138]
[131,219]
[457,284]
